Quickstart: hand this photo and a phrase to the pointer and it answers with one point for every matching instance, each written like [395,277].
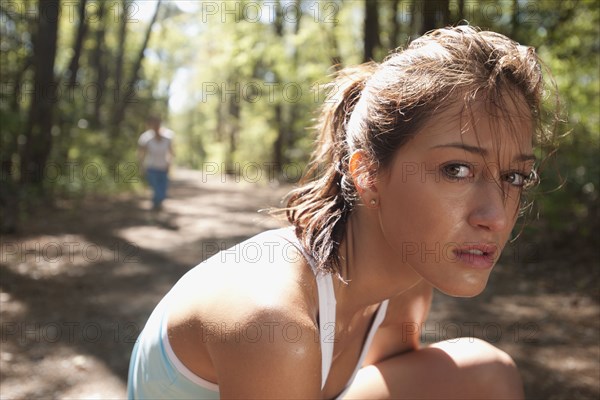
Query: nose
[490,210]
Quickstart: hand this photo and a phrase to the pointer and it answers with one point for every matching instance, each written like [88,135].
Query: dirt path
[77,287]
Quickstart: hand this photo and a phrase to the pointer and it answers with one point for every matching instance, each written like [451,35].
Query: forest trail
[78,284]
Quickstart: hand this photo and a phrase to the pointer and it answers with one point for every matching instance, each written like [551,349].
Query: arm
[400,331]
[141,154]
[273,355]
[170,155]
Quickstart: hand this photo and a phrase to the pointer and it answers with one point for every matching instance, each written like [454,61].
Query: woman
[416,183]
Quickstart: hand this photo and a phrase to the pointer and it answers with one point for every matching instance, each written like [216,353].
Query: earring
[373,202]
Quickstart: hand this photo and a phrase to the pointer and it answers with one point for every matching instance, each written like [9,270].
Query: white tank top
[156,372]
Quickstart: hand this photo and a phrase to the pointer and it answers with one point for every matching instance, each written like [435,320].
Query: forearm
[141,155]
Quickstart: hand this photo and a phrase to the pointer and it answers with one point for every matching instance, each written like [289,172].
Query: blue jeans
[159,182]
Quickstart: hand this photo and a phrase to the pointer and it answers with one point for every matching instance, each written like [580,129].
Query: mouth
[477,256]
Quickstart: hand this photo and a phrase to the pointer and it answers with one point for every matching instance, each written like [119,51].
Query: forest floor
[79,281]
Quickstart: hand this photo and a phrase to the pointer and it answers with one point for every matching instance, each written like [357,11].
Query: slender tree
[233,128]
[77,45]
[119,63]
[461,10]
[119,111]
[514,26]
[278,108]
[436,14]
[371,29]
[294,111]
[395,33]
[38,135]
[99,61]
[329,31]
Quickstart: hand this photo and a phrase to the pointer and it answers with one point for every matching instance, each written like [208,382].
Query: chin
[463,289]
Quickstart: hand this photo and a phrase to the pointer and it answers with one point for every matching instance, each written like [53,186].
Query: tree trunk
[38,130]
[336,57]
[436,14]
[233,127]
[461,10]
[280,139]
[220,114]
[137,66]
[16,98]
[118,78]
[278,108]
[328,31]
[119,112]
[514,29]
[395,34]
[294,110]
[78,45]
[415,19]
[371,29]
[99,61]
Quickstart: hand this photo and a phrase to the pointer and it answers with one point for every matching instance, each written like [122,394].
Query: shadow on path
[77,287]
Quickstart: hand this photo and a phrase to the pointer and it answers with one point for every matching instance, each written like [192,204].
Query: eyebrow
[483,152]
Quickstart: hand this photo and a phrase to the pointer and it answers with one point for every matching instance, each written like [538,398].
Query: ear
[363,174]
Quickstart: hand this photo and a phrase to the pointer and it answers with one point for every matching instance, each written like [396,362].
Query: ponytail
[319,208]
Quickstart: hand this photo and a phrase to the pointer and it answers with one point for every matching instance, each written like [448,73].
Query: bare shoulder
[256,275]
[254,311]
[272,352]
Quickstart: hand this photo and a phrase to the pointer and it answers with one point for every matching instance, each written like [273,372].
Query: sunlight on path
[78,285]
[203,207]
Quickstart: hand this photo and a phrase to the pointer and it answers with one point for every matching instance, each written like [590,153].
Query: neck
[374,271]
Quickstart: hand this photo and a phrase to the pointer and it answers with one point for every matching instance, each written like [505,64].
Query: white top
[157,150]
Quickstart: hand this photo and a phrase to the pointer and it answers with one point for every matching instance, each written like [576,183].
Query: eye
[517,179]
[457,171]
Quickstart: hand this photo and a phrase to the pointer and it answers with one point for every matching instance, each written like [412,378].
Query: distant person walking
[155,152]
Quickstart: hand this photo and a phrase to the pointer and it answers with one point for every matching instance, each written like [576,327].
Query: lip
[479,256]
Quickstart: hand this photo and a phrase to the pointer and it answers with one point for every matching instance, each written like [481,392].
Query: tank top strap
[327,304]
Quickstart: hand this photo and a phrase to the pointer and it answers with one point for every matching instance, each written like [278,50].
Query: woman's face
[449,200]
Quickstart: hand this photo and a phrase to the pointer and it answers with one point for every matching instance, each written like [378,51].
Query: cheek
[513,202]
[423,214]
[411,214]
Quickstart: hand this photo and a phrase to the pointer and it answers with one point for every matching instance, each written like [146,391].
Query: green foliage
[236,81]
[91,168]
[568,41]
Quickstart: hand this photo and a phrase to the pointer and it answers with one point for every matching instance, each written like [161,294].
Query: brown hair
[377,108]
